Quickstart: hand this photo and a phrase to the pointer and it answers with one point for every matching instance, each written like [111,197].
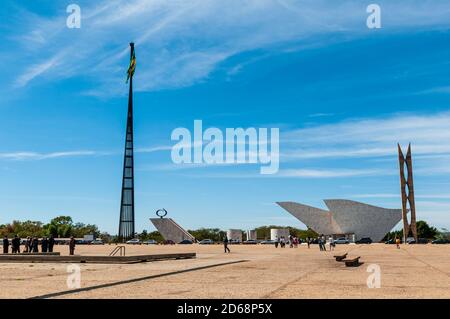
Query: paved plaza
[414,271]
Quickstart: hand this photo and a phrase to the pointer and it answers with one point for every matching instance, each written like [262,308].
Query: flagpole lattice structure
[126,223]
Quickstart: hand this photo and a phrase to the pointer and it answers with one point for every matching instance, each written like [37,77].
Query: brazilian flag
[132,66]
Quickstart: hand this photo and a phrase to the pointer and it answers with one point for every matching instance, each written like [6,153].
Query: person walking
[225,245]
[5,245]
[44,244]
[15,245]
[308,241]
[35,245]
[72,245]
[277,242]
[51,243]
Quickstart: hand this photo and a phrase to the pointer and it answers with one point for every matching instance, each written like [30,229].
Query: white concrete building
[277,233]
[234,235]
[346,217]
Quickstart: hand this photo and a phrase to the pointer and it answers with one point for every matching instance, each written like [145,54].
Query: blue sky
[341,94]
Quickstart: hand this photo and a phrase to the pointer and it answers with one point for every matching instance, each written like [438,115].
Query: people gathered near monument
[5,245]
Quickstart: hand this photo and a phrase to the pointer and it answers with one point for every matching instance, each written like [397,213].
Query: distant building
[346,218]
[251,234]
[234,235]
[277,233]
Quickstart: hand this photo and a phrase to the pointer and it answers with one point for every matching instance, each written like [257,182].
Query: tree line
[64,227]
[58,227]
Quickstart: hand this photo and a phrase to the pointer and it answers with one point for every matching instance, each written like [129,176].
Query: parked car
[206,242]
[150,242]
[268,242]
[419,241]
[135,241]
[364,240]
[441,241]
[341,240]
[169,242]
[186,242]
[97,242]
[410,240]
[250,242]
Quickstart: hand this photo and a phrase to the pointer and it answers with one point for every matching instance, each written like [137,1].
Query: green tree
[426,231]
[423,231]
[214,234]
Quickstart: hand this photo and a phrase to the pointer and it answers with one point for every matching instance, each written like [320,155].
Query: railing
[118,249]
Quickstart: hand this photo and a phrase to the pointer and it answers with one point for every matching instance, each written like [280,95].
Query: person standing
[26,244]
[323,243]
[35,244]
[397,242]
[331,243]
[51,243]
[15,245]
[308,241]
[277,242]
[5,245]
[44,244]
[72,245]
[283,241]
[225,245]
[30,244]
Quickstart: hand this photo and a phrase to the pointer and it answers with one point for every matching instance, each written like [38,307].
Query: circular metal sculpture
[161,213]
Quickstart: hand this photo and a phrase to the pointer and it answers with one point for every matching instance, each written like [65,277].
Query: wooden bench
[354,262]
[340,257]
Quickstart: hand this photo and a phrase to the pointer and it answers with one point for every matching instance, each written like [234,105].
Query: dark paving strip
[123,282]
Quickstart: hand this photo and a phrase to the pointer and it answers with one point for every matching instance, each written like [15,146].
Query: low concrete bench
[340,257]
[354,262]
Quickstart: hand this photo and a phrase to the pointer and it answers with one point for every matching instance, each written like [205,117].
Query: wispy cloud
[387,195]
[320,114]
[328,173]
[356,138]
[30,156]
[179,43]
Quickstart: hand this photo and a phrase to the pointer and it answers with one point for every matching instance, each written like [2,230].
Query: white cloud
[179,43]
[34,71]
[328,173]
[22,156]
[372,138]
[417,196]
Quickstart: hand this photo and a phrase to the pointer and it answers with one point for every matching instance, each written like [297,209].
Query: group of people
[322,243]
[292,241]
[31,245]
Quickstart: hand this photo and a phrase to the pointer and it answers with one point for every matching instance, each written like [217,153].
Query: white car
[134,242]
[341,240]
[206,242]
[150,242]
[97,242]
